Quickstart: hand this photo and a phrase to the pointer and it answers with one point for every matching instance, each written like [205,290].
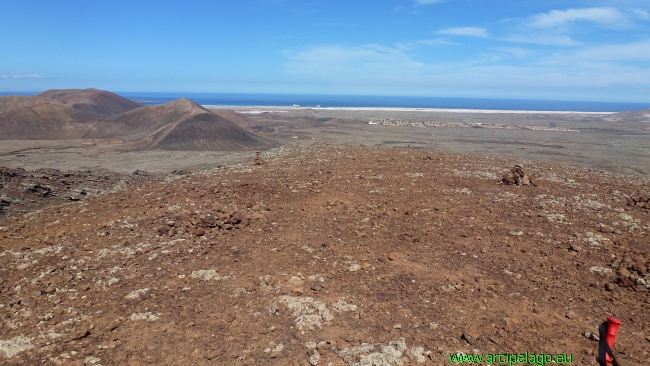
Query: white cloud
[637,51]
[605,16]
[581,72]
[427,2]
[435,42]
[516,52]
[425,42]
[345,60]
[541,39]
[641,14]
[552,28]
[465,31]
[29,76]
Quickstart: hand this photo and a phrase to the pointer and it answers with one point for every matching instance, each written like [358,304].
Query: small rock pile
[205,222]
[641,202]
[516,176]
[258,159]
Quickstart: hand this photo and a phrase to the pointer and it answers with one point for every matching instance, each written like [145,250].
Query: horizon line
[345,95]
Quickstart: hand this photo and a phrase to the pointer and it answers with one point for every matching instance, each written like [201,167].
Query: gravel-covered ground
[331,255]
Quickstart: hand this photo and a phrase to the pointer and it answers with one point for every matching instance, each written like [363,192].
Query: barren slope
[22,192]
[332,255]
[231,115]
[642,114]
[629,120]
[92,101]
[12,103]
[179,125]
[34,118]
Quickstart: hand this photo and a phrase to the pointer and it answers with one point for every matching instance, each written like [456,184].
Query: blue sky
[557,50]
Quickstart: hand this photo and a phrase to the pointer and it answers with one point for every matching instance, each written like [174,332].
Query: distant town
[402,123]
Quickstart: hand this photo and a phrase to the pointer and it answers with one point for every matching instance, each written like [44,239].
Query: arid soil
[106,156]
[23,192]
[612,142]
[327,254]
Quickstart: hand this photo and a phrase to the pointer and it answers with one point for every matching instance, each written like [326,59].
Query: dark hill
[233,116]
[92,101]
[35,118]
[12,103]
[179,125]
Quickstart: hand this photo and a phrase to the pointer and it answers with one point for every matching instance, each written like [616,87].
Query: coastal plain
[615,142]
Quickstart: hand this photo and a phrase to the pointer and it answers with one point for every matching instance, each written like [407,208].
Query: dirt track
[331,255]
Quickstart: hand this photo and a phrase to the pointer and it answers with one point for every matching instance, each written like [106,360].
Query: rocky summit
[323,254]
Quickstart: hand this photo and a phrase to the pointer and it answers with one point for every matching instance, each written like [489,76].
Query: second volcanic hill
[36,118]
[92,101]
[179,125]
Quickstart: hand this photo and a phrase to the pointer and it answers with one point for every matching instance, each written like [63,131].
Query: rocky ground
[331,255]
[22,191]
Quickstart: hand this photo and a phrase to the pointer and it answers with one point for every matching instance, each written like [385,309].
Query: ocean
[313,100]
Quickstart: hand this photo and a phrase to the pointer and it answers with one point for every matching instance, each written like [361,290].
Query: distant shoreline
[397,109]
[379,103]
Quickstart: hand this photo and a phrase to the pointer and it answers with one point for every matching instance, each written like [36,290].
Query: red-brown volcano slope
[92,101]
[179,125]
[36,118]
